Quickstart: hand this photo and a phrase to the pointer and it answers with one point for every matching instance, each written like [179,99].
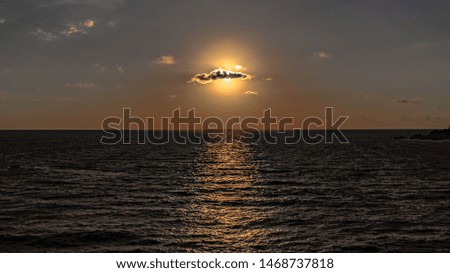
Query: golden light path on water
[225,208]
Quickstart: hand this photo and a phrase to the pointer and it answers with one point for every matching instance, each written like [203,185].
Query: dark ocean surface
[63,191]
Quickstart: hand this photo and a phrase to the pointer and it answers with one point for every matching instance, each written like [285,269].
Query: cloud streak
[219,74]
[89,23]
[80,28]
[44,35]
[68,30]
[165,60]
[82,85]
[322,55]
[408,101]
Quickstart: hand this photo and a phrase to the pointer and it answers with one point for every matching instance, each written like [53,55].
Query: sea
[64,191]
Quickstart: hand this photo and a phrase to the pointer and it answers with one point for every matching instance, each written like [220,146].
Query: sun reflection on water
[224,211]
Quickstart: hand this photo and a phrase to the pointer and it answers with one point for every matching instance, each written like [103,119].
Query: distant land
[433,135]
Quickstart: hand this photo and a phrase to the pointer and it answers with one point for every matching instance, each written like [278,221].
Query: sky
[68,64]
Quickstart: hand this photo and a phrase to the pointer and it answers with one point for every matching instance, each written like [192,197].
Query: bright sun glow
[228,86]
[225,55]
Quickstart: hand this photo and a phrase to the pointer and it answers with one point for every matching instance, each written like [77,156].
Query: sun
[227,87]
[228,81]
[223,69]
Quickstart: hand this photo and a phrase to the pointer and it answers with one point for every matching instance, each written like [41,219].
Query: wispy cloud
[110,23]
[82,85]
[219,74]
[44,35]
[426,118]
[165,60]
[99,67]
[68,30]
[408,101]
[322,55]
[107,68]
[251,92]
[269,79]
[78,28]
[72,29]
[89,23]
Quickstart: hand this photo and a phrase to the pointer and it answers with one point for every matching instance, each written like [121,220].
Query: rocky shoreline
[434,135]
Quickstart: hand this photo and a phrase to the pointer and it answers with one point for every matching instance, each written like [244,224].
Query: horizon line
[212,130]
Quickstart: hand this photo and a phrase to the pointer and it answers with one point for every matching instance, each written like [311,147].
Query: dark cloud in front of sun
[219,74]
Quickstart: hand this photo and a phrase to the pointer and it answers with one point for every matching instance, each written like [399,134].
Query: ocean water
[63,191]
